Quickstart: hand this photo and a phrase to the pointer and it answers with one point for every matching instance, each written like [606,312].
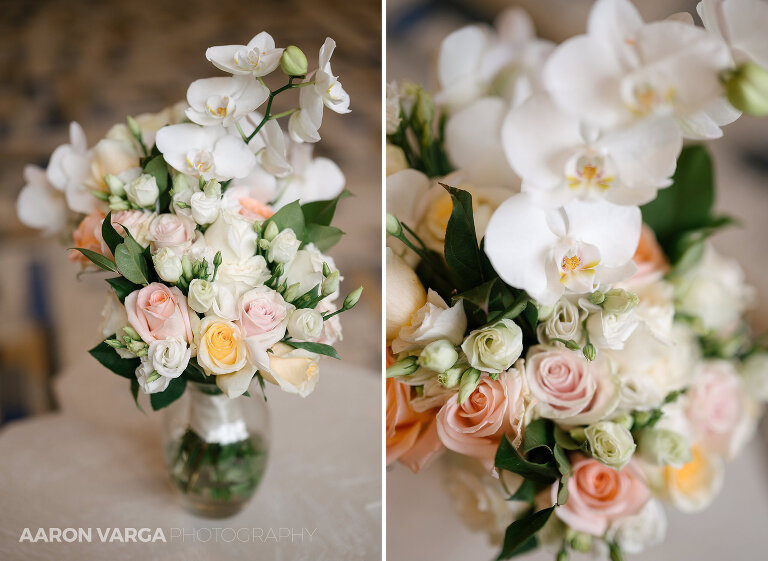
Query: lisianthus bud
[326,269]
[131,333]
[403,367]
[394,228]
[118,203]
[264,244]
[352,298]
[451,377]
[625,420]
[664,447]
[292,292]
[133,126]
[425,108]
[589,351]
[597,297]
[283,247]
[580,542]
[116,185]
[212,189]
[186,266]
[747,89]
[271,231]
[167,264]
[201,295]
[469,381]
[143,190]
[610,443]
[330,284]
[619,301]
[293,61]
[114,343]
[305,324]
[136,347]
[180,183]
[438,356]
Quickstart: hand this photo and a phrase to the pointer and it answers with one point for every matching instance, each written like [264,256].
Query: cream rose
[113,316]
[599,495]
[405,294]
[294,370]
[167,265]
[204,209]
[563,323]
[169,357]
[494,348]
[158,312]
[305,324]
[433,321]
[171,231]
[283,248]
[142,191]
[201,295]
[610,443]
[475,427]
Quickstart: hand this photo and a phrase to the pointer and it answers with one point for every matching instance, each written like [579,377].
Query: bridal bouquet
[556,316]
[214,224]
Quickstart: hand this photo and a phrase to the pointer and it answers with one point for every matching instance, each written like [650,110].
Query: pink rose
[263,315]
[598,495]
[171,230]
[475,427]
[718,409]
[158,312]
[137,223]
[411,437]
[569,388]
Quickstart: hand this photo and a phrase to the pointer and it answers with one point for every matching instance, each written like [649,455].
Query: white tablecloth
[423,525]
[97,464]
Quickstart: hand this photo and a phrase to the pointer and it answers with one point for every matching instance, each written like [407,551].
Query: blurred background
[95,62]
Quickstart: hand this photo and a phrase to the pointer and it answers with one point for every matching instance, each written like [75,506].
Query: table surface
[98,464]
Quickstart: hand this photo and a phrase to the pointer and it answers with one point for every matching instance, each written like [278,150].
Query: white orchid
[69,168]
[208,152]
[225,101]
[742,24]
[313,179]
[559,159]
[623,70]
[40,205]
[268,144]
[325,91]
[574,248]
[258,58]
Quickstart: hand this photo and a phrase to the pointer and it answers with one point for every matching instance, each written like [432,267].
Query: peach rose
[88,236]
[651,262]
[411,437]
[598,495]
[158,312]
[254,209]
[475,427]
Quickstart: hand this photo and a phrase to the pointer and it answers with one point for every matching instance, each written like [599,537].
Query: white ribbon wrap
[215,419]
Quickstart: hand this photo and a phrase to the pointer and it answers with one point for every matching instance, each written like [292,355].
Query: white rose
[233,236]
[283,248]
[294,370]
[240,276]
[169,357]
[754,372]
[494,348]
[644,529]
[396,160]
[167,264]
[201,295]
[663,447]
[224,303]
[405,294]
[433,321]
[143,190]
[204,209]
[610,443]
[305,324]
[563,323]
[306,269]
[145,371]
[113,316]
[610,331]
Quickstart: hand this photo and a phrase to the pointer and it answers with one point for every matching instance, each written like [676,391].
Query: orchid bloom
[225,101]
[207,152]
[40,205]
[742,24]
[268,145]
[325,91]
[68,169]
[313,179]
[258,58]
[624,70]
[559,159]
[573,249]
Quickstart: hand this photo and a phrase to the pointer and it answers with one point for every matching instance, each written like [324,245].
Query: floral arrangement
[214,223]
[556,316]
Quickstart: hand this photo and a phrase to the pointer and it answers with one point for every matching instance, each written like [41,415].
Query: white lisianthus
[113,316]
[305,324]
[224,100]
[294,370]
[754,373]
[610,331]
[258,58]
[636,532]
[434,320]
[204,209]
[145,371]
[169,357]
[143,191]
[662,447]
[494,348]
[565,322]
[306,269]
[167,264]
[610,443]
[283,248]
[240,276]
[201,295]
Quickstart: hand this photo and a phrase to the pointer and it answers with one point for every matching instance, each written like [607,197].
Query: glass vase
[216,449]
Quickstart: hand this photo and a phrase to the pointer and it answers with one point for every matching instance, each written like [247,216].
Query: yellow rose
[221,351]
[110,157]
[692,486]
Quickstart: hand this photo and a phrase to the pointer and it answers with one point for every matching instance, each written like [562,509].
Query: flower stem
[268,114]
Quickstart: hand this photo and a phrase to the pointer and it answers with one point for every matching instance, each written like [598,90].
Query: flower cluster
[555,312]
[215,222]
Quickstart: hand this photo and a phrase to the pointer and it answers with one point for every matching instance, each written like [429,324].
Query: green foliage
[322,212]
[510,459]
[122,287]
[169,395]
[157,168]
[324,237]
[290,216]
[131,261]
[461,250]
[108,357]
[518,536]
[110,235]
[97,259]
[318,348]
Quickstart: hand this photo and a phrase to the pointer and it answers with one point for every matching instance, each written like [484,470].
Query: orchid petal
[232,158]
[613,229]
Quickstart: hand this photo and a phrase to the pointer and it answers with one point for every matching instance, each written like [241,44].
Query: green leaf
[122,287]
[97,259]
[562,489]
[318,348]
[260,378]
[171,393]
[108,357]
[321,212]
[461,250]
[135,393]
[324,237]
[563,463]
[520,531]
[509,459]
[110,235]
[290,216]
[525,493]
[131,263]
[157,168]
[538,434]
[479,295]
[564,440]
